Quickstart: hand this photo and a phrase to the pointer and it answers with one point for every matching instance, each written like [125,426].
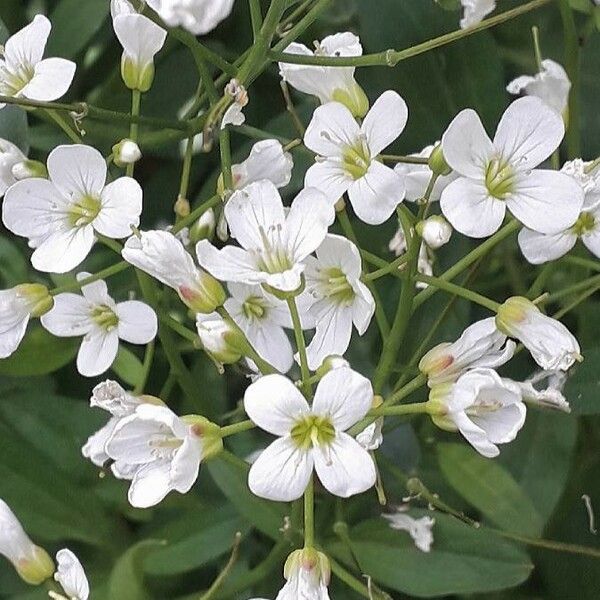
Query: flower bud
[37,297]
[220,339]
[29,168]
[204,227]
[31,562]
[209,434]
[307,571]
[435,231]
[330,363]
[437,162]
[353,98]
[437,407]
[182,207]
[126,152]
[206,295]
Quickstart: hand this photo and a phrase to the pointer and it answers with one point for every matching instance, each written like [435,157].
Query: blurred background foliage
[176,549]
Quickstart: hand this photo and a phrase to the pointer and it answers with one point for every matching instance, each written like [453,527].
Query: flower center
[483,407]
[273,257]
[336,287]
[84,211]
[585,223]
[499,179]
[312,430]
[254,308]
[356,159]
[104,317]
[13,81]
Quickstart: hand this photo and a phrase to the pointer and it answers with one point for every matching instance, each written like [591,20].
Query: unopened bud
[126,152]
[29,168]
[435,231]
[181,207]
[353,98]
[220,339]
[206,295]
[513,312]
[437,162]
[204,227]
[208,433]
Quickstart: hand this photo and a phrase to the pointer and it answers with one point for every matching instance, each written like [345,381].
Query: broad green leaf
[232,479]
[462,560]
[39,353]
[487,486]
[74,24]
[13,265]
[127,579]
[13,126]
[583,386]
[208,535]
[128,366]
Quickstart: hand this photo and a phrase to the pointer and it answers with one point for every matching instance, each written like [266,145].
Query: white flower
[486,409]
[61,215]
[550,343]
[23,72]
[197,16]
[371,437]
[273,244]
[31,562]
[417,177]
[501,174]
[267,160]
[328,84]
[71,576]
[164,449]
[126,152]
[218,338]
[551,395]
[262,318]
[121,7]
[551,85]
[335,298]
[418,529]
[307,572]
[435,231]
[111,397]
[163,256]
[102,323]
[141,39]
[540,248]
[480,345]
[475,11]
[234,114]
[10,156]
[310,437]
[347,152]
[17,306]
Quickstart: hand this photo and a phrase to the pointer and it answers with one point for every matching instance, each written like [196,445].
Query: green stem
[59,120]
[77,285]
[309,514]
[535,33]
[237,428]
[572,289]
[393,266]
[412,386]
[148,357]
[255,17]
[196,213]
[302,25]
[349,579]
[301,347]
[401,409]
[582,262]
[186,169]
[218,582]
[180,329]
[411,160]
[136,101]
[391,58]
[458,291]
[549,544]
[225,148]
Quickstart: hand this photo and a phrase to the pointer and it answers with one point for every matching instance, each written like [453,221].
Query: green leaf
[128,366]
[126,579]
[204,540]
[487,486]
[462,560]
[231,476]
[13,265]
[39,353]
[583,386]
[13,126]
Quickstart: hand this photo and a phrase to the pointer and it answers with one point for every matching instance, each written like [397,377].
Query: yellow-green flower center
[356,159]
[104,317]
[84,211]
[273,257]
[584,224]
[336,287]
[254,307]
[312,430]
[12,82]
[499,179]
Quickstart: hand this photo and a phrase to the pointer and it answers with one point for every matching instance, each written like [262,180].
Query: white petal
[121,208]
[51,80]
[344,467]
[69,317]
[267,160]
[229,264]
[539,248]
[467,147]
[331,128]
[470,209]
[274,403]
[71,576]
[476,436]
[97,352]
[528,133]
[345,396]
[270,341]
[334,329]
[281,472]
[140,37]
[592,242]
[63,250]
[328,177]
[375,196]
[95,292]
[254,212]
[385,121]
[338,251]
[186,465]
[137,322]
[546,201]
[363,307]
[10,337]
[151,483]
[77,170]
[28,44]
[307,222]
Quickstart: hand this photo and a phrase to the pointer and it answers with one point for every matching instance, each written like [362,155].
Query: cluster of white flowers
[285,270]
